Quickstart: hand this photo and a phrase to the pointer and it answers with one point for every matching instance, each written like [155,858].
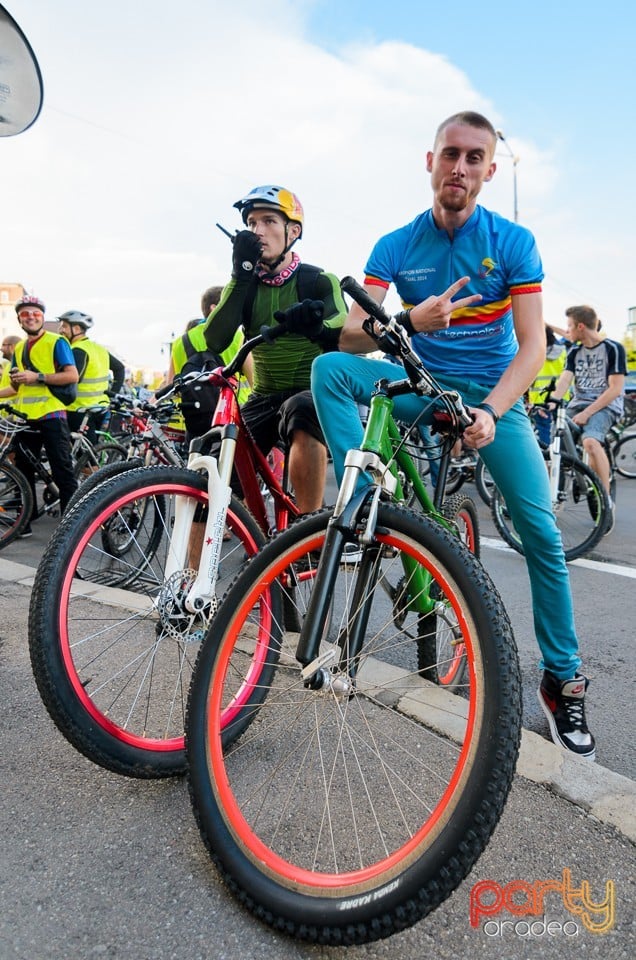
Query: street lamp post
[515,161]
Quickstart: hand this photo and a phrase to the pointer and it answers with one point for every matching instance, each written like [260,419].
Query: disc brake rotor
[174,618]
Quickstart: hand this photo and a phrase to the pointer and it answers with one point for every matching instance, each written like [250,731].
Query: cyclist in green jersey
[267,276]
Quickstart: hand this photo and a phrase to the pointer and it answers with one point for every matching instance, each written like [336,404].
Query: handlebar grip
[362,298]
[164,391]
[269,334]
[13,411]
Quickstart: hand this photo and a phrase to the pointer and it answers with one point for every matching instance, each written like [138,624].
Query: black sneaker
[27,532]
[611,518]
[563,702]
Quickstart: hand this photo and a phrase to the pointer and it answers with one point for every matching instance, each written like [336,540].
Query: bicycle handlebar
[396,341]
[13,411]
[362,298]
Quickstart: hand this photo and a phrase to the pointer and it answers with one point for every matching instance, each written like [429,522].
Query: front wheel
[112,644]
[581,510]
[343,810]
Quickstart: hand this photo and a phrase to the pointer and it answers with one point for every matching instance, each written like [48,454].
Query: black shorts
[273,418]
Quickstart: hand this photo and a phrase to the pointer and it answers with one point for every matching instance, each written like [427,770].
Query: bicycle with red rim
[129,582]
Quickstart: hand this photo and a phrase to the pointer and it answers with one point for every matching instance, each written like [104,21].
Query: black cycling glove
[303,318]
[246,253]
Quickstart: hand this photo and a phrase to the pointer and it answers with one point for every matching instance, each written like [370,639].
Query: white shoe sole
[554,733]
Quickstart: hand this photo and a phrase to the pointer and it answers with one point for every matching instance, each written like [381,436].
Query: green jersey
[286,363]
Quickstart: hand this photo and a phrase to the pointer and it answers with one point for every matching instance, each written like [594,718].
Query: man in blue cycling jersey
[488,343]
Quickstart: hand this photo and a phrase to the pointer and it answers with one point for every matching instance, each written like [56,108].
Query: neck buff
[278,279]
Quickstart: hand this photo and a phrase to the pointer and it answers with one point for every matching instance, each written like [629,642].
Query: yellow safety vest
[552,368]
[197,338]
[92,387]
[36,400]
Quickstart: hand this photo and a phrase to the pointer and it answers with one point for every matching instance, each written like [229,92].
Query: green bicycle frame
[382,437]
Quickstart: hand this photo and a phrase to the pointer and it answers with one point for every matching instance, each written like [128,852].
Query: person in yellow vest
[94,364]
[192,342]
[42,364]
[551,370]
[190,348]
[8,349]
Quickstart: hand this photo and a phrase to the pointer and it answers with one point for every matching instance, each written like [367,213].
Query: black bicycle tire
[455,480]
[628,441]
[483,489]
[21,491]
[501,518]
[65,684]
[429,654]
[416,448]
[99,456]
[100,476]
[377,908]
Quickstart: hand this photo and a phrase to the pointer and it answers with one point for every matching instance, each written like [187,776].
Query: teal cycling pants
[341,381]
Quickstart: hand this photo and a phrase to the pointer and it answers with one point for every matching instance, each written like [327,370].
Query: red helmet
[28,301]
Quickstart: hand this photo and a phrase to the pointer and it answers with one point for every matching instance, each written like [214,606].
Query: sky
[158,116]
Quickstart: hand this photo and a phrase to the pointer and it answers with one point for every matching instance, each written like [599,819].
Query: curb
[607,796]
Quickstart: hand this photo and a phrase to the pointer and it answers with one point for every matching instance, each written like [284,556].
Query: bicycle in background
[133,573]
[580,502]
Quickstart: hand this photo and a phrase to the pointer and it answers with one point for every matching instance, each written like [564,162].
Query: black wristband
[404,319]
[491,410]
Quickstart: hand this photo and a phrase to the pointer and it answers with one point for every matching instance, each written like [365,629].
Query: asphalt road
[97,866]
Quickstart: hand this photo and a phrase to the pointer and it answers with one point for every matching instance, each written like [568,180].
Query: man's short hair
[209,299]
[585,315]
[471,119]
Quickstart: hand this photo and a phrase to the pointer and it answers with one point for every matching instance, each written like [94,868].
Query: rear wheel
[483,482]
[112,643]
[625,456]
[419,453]
[100,476]
[90,461]
[354,800]
[581,510]
[16,503]
[441,655]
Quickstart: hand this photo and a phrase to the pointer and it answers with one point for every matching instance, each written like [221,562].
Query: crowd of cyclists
[470,283]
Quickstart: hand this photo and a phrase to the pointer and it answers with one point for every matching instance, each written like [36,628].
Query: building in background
[10,293]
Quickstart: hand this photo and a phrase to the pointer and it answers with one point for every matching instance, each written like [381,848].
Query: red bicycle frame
[252,466]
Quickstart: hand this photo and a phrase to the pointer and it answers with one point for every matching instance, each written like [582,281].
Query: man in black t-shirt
[596,366]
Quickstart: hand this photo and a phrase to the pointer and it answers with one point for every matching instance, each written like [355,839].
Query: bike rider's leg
[28,440]
[307,451]
[517,466]
[307,471]
[341,381]
[593,437]
[597,459]
[56,437]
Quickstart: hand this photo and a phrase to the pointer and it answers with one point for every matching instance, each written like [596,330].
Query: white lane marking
[599,565]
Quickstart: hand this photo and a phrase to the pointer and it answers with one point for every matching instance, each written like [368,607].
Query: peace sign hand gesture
[434,313]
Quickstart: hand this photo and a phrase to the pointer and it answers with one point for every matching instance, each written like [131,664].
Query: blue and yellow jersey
[502,261]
